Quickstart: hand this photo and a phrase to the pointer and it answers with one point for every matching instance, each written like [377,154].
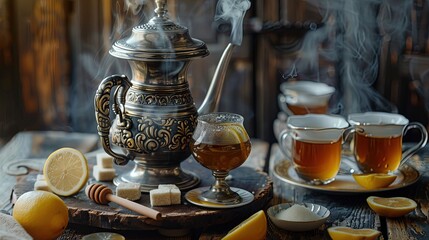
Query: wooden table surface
[31,148]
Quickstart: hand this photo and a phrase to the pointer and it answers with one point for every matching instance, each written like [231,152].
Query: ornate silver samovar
[155,114]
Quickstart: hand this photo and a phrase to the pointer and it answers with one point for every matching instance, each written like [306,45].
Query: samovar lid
[159,39]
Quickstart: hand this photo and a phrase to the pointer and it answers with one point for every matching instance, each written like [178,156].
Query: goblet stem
[220,192]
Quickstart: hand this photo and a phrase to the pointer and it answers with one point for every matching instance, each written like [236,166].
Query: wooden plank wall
[38,55]
[45,64]
[9,90]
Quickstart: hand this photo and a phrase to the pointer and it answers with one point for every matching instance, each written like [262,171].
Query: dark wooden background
[53,54]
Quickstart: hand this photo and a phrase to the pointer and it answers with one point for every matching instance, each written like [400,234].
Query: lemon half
[254,227]
[348,233]
[66,171]
[374,180]
[391,207]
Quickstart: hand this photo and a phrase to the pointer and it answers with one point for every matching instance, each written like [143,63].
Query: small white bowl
[298,226]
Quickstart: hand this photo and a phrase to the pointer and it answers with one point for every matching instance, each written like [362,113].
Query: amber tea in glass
[308,157]
[313,142]
[220,143]
[303,109]
[378,154]
[378,140]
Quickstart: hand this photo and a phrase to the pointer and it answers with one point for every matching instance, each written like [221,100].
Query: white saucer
[344,182]
[192,197]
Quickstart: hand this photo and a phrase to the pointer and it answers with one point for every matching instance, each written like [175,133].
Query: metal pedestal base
[149,178]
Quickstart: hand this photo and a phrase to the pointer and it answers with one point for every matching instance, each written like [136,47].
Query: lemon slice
[254,227]
[374,180]
[391,207]
[66,171]
[348,233]
[233,134]
[103,236]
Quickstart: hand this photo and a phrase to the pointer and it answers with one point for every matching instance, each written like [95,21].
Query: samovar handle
[102,110]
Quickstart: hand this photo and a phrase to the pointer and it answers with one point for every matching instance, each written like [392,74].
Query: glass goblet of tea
[220,143]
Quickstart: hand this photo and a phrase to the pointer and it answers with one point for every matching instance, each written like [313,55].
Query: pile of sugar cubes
[164,195]
[104,170]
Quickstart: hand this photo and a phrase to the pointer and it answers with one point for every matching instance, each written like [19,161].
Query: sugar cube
[103,174]
[41,185]
[167,186]
[175,196]
[160,197]
[40,177]
[130,191]
[104,160]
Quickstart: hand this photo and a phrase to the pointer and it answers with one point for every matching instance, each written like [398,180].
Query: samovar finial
[160,9]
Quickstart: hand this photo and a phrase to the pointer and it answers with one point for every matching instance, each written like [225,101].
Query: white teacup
[313,142]
[302,97]
[378,140]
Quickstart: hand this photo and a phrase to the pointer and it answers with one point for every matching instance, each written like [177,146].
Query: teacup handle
[347,136]
[348,133]
[285,146]
[423,140]
[282,102]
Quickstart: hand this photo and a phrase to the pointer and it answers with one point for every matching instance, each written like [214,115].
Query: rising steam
[233,11]
[134,6]
[356,31]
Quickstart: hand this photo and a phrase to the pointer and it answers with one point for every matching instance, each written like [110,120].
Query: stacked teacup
[299,98]
[303,97]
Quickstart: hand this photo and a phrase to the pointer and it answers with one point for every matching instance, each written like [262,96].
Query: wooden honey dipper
[102,194]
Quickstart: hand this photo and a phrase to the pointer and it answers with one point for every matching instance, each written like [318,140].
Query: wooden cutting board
[184,216]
